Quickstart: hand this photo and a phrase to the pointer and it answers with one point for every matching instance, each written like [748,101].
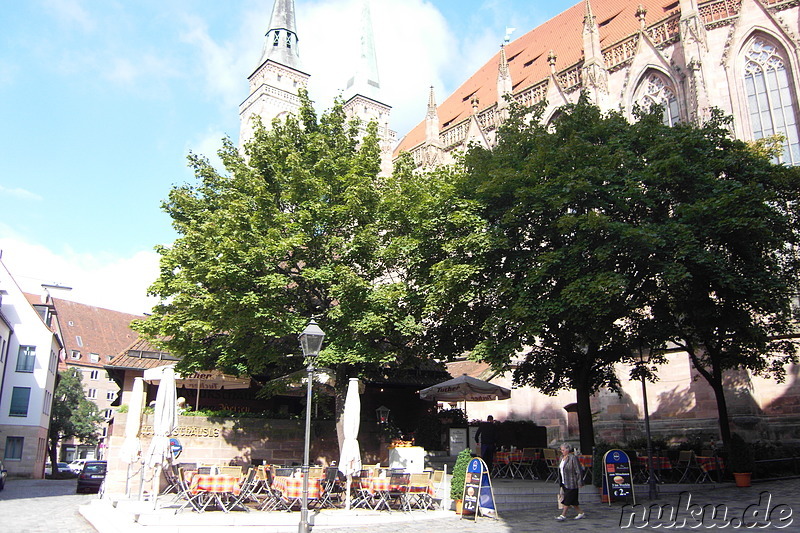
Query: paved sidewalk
[764,506]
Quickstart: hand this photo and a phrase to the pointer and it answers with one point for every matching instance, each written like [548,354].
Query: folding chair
[419,491]
[273,499]
[235,471]
[331,488]
[360,496]
[195,500]
[527,463]
[687,466]
[245,492]
[399,490]
[551,460]
[172,480]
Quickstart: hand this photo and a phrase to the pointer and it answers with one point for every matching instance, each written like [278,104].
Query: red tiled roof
[130,357]
[471,368]
[527,55]
[101,331]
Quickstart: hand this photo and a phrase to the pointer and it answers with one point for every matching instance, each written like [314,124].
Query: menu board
[617,481]
[478,498]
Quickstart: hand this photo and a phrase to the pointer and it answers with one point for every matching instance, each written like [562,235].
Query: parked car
[92,476]
[61,468]
[77,465]
[3,474]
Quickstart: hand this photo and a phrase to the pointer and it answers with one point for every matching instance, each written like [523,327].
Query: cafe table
[506,463]
[292,488]
[707,466]
[219,488]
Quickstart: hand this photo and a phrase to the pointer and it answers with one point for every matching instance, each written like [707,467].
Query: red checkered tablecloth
[219,483]
[659,463]
[508,457]
[710,463]
[292,487]
[586,460]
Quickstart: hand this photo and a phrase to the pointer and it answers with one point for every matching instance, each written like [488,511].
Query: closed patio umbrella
[165,422]
[465,388]
[131,449]
[350,458]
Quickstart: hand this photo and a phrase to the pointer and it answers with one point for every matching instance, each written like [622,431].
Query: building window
[656,90]
[3,351]
[14,448]
[91,394]
[94,374]
[94,358]
[769,98]
[109,378]
[26,358]
[75,355]
[108,414]
[48,397]
[111,395]
[78,340]
[53,362]
[20,397]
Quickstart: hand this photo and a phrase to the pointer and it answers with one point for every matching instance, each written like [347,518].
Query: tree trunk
[722,410]
[585,424]
[53,455]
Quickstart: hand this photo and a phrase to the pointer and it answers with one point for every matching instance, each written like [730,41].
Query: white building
[29,356]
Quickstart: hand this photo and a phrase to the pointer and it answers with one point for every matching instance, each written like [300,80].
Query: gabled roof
[527,56]
[89,329]
[141,355]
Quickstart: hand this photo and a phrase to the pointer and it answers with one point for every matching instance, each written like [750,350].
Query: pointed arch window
[769,97]
[276,38]
[656,90]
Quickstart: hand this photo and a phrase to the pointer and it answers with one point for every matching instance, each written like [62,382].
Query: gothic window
[769,98]
[656,90]
[276,38]
[288,40]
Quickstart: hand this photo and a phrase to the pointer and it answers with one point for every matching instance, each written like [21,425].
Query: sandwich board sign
[478,497]
[617,476]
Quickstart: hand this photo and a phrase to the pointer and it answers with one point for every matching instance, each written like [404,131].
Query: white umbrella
[131,449]
[350,459]
[165,422]
[465,388]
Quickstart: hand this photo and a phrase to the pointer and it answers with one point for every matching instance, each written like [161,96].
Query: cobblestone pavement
[42,506]
[764,507]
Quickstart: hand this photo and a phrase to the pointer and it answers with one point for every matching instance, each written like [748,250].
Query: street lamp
[652,489]
[382,413]
[311,342]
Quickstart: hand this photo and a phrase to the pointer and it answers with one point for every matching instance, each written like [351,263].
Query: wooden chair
[245,492]
[438,486]
[552,461]
[527,463]
[419,491]
[235,471]
[331,488]
[687,467]
[273,499]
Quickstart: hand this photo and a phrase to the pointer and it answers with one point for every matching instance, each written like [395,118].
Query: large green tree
[72,415]
[728,277]
[288,230]
[571,246]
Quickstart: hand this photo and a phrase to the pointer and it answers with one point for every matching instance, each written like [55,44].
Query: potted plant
[741,460]
[459,477]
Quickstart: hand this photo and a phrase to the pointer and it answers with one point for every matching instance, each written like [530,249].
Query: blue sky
[101,100]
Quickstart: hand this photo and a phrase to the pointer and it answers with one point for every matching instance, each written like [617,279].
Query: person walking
[571,474]
[487,437]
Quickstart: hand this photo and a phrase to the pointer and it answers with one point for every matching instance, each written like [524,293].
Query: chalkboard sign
[478,497]
[617,481]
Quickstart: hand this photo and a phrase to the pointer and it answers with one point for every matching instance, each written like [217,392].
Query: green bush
[460,474]
[600,450]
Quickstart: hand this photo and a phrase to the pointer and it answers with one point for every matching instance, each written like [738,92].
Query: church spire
[365,80]
[432,120]
[504,84]
[594,75]
[280,41]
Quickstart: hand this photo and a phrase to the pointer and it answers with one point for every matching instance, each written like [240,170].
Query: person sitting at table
[487,437]
[571,474]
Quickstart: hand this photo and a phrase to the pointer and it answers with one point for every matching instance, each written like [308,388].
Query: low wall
[223,441]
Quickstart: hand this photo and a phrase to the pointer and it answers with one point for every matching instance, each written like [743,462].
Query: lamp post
[382,413]
[311,342]
[652,488]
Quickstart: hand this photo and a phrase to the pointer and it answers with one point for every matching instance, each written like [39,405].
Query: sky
[102,100]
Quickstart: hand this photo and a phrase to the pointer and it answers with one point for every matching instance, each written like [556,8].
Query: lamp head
[311,339]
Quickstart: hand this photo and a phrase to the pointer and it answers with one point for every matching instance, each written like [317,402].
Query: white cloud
[20,193]
[71,12]
[102,280]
